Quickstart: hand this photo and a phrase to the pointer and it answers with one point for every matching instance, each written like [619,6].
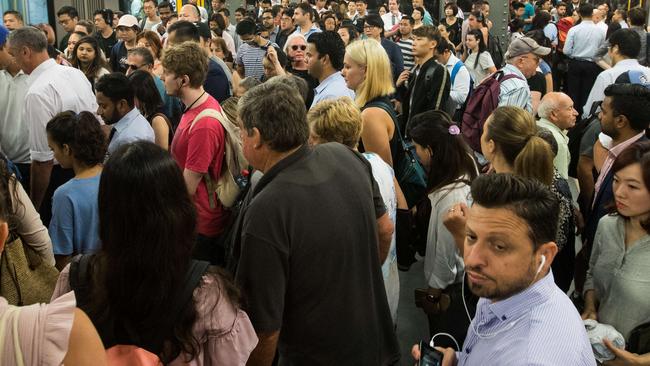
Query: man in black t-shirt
[127,31]
[105,35]
[312,236]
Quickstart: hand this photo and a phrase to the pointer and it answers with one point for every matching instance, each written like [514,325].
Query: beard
[498,290]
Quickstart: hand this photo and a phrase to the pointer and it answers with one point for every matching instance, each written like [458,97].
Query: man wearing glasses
[268,16]
[68,18]
[522,59]
[253,49]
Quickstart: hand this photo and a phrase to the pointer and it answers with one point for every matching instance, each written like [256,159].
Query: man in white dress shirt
[461,82]
[391,19]
[53,89]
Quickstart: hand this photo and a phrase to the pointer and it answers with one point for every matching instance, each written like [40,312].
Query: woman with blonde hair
[339,120]
[367,71]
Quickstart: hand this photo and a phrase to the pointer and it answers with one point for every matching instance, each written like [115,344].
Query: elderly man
[522,317]
[52,89]
[312,238]
[522,60]
[557,115]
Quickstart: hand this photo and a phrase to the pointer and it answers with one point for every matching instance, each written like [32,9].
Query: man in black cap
[374,28]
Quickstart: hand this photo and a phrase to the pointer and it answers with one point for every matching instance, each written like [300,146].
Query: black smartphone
[429,356]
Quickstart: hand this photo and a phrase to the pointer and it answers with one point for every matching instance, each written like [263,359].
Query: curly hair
[189,59]
[82,133]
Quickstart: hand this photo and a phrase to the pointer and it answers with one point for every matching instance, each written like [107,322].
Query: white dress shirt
[388,20]
[608,77]
[53,89]
[583,41]
[14,133]
[460,86]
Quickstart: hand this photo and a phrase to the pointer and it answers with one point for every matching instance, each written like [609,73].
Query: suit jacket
[425,94]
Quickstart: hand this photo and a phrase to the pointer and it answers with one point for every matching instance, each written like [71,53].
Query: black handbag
[408,170]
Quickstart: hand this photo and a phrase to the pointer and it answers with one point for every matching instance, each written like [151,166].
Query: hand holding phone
[429,356]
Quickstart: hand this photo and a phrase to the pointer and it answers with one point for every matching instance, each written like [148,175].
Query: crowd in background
[190,186]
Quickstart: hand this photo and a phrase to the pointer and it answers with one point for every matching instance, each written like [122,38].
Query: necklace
[194,102]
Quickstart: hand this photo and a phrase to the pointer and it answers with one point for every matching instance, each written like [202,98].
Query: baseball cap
[634,77]
[374,20]
[523,45]
[128,20]
[4,33]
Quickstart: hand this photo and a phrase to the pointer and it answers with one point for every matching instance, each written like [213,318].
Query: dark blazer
[604,197]
[425,94]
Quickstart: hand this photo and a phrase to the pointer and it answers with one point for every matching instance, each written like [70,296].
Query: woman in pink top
[147,226]
[40,334]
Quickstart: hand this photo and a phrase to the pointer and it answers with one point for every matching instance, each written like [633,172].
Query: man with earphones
[522,317]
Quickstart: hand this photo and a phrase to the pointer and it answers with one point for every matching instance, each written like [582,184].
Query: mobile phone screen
[429,356]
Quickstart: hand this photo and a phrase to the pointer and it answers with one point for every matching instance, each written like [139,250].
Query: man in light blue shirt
[522,317]
[117,108]
[324,58]
[582,44]
[303,17]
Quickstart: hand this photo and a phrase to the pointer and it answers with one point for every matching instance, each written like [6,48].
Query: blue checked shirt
[515,92]
[538,326]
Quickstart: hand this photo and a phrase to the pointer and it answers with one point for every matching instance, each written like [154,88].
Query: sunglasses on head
[296,47]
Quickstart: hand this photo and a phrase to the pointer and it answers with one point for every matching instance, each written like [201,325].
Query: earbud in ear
[541,265]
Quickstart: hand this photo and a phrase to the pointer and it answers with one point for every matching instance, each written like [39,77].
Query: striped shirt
[251,58]
[515,92]
[406,46]
[538,326]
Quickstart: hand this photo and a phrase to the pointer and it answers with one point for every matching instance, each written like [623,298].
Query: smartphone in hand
[429,356]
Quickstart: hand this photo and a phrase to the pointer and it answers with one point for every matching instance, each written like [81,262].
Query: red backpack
[563,25]
[483,101]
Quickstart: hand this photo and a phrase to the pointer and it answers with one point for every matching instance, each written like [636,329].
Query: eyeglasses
[296,47]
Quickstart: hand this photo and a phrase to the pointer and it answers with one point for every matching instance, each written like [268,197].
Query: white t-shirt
[481,71]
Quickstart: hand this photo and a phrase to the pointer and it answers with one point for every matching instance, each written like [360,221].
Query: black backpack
[495,50]
[575,136]
[113,332]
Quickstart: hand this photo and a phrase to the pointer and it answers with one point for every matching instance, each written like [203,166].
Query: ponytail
[535,161]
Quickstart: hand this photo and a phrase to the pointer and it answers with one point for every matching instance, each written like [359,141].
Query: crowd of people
[183,186]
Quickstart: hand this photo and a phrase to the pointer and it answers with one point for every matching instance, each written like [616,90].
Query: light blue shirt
[132,127]
[312,30]
[74,227]
[538,326]
[515,92]
[583,41]
[332,87]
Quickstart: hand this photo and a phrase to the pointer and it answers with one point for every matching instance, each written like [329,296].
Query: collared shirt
[602,26]
[232,31]
[14,139]
[538,326]
[53,89]
[332,87]
[132,127]
[274,33]
[459,85]
[608,77]
[563,157]
[583,41]
[515,92]
[612,153]
[391,20]
[312,30]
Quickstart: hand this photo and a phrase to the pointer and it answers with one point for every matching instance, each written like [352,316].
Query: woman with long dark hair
[87,56]
[450,170]
[147,224]
[479,62]
[148,101]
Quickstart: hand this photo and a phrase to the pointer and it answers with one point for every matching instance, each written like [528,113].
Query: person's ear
[548,250]
[4,233]
[256,137]
[491,146]
[67,151]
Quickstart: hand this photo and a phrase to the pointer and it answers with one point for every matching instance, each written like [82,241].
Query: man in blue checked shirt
[522,317]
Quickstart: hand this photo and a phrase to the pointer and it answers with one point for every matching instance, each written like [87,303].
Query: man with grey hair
[314,232]
[53,89]
[557,115]
[190,12]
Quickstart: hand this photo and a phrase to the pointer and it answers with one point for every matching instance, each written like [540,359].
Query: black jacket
[430,91]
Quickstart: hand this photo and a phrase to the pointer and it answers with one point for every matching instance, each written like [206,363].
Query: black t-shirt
[537,83]
[106,44]
[312,82]
[308,262]
[119,57]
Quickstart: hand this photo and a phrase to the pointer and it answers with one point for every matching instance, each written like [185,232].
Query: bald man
[203,13]
[557,115]
[190,13]
[599,19]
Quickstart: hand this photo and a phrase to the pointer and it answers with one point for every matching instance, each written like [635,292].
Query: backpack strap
[455,70]
[429,76]
[210,183]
